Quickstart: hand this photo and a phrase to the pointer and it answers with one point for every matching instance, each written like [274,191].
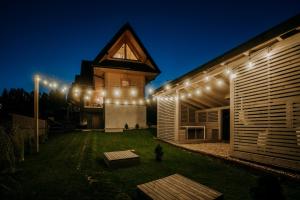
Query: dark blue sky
[52,37]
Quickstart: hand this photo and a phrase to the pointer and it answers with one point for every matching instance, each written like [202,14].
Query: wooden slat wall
[187,115]
[267,108]
[166,119]
[210,119]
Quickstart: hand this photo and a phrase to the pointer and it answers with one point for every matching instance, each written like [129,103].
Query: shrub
[137,126]
[267,187]
[126,126]
[158,153]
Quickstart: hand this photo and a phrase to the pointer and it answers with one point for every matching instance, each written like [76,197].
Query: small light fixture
[117,102]
[103,93]
[107,101]
[220,82]
[87,97]
[250,65]
[148,100]
[208,88]
[150,90]
[89,91]
[117,92]
[54,85]
[167,87]
[189,95]
[133,92]
[141,102]
[232,76]
[125,102]
[45,82]
[133,102]
[182,96]
[187,83]
[198,92]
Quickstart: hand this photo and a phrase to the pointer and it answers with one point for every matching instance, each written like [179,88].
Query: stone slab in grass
[116,159]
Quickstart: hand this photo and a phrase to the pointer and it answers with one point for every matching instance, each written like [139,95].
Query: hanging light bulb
[117,92]
[133,92]
[87,97]
[187,83]
[45,82]
[208,88]
[189,95]
[198,92]
[227,71]
[89,91]
[220,82]
[182,96]
[54,85]
[167,87]
[141,102]
[232,76]
[125,102]
[207,78]
[133,102]
[150,90]
[250,65]
[103,93]
[148,100]
[117,102]
[107,101]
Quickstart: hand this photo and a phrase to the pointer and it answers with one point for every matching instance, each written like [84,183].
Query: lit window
[125,83]
[125,53]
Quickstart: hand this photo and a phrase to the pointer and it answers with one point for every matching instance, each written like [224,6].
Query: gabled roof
[104,51]
[283,30]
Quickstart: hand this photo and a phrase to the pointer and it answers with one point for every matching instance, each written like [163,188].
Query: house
[249,96]
[110,90]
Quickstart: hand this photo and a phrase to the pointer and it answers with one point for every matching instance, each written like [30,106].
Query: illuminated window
[125,83]
[125,53]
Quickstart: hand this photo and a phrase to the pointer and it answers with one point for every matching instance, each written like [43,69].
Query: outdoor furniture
[177,187]
[117,159]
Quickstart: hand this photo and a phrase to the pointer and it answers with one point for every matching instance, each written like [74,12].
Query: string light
[125,102]
[250,65]
[117,92]
[103,93]
[167,87]
[87,97]
[45,82]
[107,101]
[187,83]
[207,88]
[189,94]
[150,90]
[207,78]
[89,91]
[133,92]
[148,100]
[220,82]
[133,102]
[117,102]
[141,102]
[198,92]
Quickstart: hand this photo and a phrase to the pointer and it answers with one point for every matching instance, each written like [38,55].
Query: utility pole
[36,110]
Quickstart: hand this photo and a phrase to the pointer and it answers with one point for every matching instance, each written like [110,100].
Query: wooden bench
[117,159]
[177,187]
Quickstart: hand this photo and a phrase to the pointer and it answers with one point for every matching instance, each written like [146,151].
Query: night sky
[52,37]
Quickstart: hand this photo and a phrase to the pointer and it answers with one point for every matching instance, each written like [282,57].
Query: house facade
[109,91]
[249,96]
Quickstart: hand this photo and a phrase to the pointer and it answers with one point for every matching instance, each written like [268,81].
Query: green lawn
[70,166]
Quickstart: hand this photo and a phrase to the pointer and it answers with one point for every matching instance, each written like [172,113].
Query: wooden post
[36,110]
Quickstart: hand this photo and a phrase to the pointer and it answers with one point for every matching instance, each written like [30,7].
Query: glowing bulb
[64,89]
[154,98]
[76,90]
[182,96]
[198,92]
[117,92]
[250,65]
[148,100]
[167,87]
[87,97]
[107,101]
[89,92]
[141,102]
[37,77]
[45,82]
[150,91]
[220,82]
[125,102]
[76,94]
[206,78]
[268,55]
[103,93]
[187,83]
[97,100]
[117,102]
[189,95]
[133,102]
[133,92]
[227,71]
[54,85]
[208,88]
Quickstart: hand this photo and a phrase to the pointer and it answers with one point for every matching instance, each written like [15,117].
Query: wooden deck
[177,187]
[117,159]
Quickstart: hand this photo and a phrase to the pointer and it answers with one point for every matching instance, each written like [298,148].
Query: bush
[268,187]
[158,153]
[137,126]
[126,126]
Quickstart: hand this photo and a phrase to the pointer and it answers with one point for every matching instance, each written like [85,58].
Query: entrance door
[226,125]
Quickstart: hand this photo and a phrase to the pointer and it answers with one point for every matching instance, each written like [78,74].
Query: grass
[70,166]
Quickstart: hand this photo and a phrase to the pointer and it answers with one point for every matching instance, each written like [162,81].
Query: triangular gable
[126,46]
[125,53]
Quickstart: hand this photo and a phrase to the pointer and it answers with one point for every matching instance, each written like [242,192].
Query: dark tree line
[19,101]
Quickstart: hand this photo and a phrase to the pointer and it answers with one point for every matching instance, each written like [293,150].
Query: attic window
[125,53]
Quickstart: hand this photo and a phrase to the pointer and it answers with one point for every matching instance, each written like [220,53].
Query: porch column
[176,127]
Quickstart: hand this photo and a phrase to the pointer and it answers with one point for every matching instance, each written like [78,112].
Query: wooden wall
[265,105]
[166,119]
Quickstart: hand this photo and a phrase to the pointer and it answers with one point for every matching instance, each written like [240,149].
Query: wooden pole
[36,110]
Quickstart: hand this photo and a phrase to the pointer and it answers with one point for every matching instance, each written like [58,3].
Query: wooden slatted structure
[116,159]
[177,187]
[266,106]
[166,118]
[260,83]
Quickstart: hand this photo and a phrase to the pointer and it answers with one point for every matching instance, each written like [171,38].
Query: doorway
[226,125]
